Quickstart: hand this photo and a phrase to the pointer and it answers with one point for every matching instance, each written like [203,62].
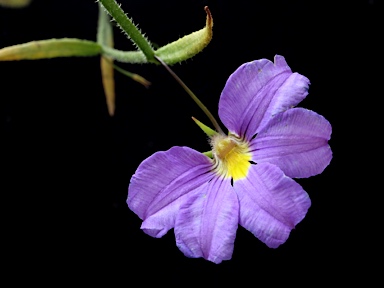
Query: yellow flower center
[232,156]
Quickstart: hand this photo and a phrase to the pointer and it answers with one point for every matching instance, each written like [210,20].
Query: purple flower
[248,181]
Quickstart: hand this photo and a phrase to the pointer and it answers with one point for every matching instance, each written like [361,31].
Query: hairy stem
[129,28]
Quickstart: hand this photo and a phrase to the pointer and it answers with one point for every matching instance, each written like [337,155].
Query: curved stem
[193,96]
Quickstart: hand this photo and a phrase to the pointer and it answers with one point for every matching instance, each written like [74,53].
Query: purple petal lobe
[258,90]
[296,141]
[271,204]
[162,183]
[206,224]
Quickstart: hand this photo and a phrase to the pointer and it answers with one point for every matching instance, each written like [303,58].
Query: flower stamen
[231,156]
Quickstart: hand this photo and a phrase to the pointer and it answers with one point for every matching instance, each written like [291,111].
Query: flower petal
[296,141]
[207,223]
[162,182]
[271,204]
[258,90]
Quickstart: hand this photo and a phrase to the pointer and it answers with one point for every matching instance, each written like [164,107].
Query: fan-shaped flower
[248,180]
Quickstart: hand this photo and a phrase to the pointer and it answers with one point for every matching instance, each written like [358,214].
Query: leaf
[135,77]
[105,37]
[189,45]
[52,48]
[15,3]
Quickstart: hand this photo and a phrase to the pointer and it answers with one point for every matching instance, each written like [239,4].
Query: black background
[66,164]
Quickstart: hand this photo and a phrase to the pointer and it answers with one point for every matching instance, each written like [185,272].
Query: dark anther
[254,136]
[253,163]
[232,182]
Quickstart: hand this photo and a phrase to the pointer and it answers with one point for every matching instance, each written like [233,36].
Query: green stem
[134,57]
[128,27]
[193,96]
